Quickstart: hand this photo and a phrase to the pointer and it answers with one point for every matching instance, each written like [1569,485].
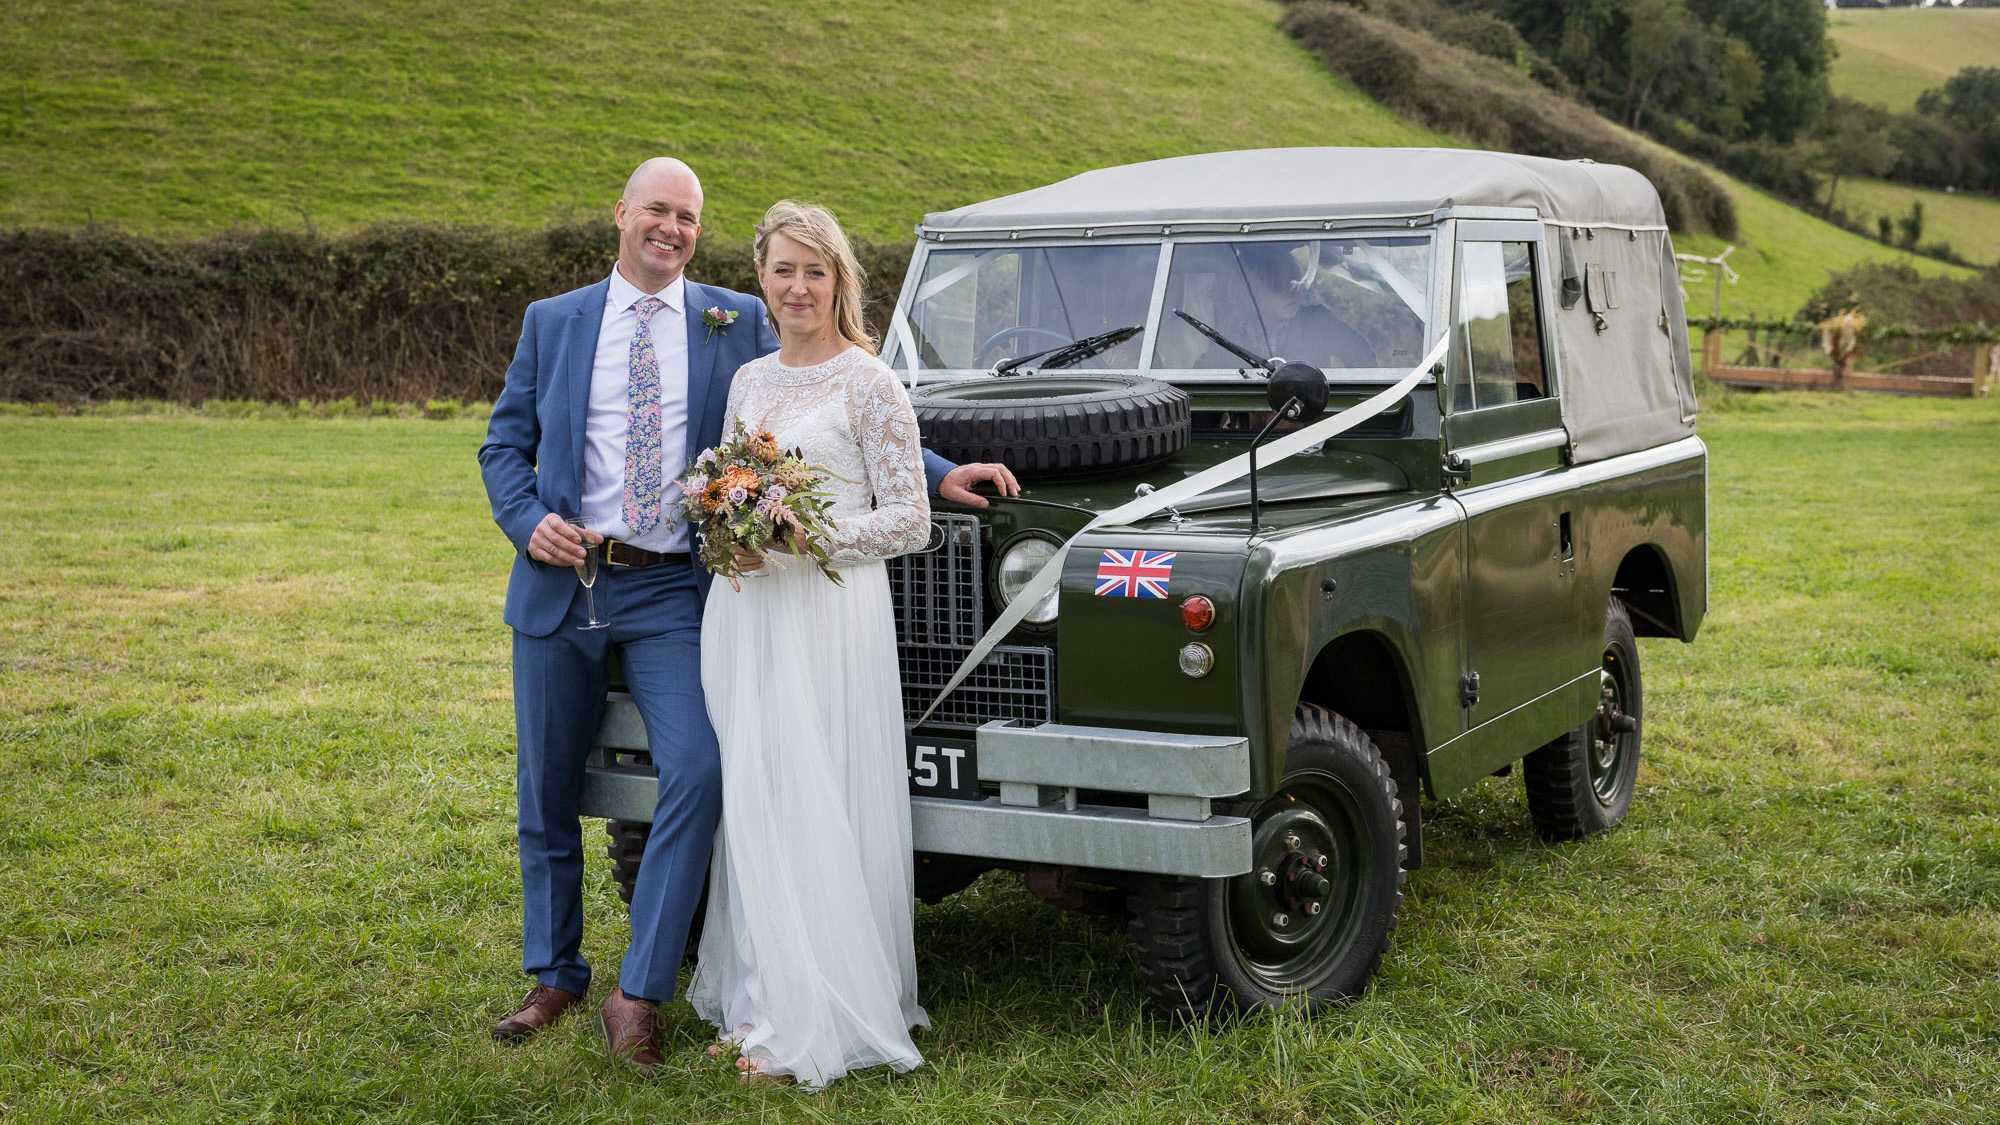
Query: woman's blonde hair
[815,228]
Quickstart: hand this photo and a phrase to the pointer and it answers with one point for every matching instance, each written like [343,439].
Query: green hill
[1971,223]
[174,118]
[1890,55]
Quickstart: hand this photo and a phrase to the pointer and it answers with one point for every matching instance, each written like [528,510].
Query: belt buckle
[608,560]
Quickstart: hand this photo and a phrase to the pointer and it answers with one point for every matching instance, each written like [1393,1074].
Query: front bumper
[1037,817]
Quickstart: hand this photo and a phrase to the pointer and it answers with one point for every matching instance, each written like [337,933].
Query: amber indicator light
[1197,612]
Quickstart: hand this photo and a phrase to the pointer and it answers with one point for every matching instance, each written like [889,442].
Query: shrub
[403,313]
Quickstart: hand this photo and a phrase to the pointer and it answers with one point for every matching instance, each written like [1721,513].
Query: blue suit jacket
[532,460]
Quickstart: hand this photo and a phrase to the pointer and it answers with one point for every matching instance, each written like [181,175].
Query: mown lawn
[258,857]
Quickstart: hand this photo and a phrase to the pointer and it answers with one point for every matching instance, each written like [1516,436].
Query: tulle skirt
[807,958]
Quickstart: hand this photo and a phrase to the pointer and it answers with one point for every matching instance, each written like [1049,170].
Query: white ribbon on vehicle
[1233,469]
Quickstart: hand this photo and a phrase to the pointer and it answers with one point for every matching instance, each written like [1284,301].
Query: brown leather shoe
[631,1030]
[544,1005]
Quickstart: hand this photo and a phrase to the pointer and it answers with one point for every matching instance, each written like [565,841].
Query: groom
[612,388]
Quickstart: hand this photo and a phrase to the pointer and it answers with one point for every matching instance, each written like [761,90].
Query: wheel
[627,847]
[940,877]
[1582,782]
[1054,424]
[1311,919]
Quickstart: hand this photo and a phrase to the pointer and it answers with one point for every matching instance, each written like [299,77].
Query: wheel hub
[1291,915]
[1609,733]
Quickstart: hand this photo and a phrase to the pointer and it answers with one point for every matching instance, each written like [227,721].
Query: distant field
[1971,223]
[1892,55]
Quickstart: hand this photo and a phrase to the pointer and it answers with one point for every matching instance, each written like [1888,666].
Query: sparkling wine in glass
[586,572]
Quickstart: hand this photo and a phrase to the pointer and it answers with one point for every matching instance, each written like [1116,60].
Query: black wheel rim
[1287,931]
[1614,735]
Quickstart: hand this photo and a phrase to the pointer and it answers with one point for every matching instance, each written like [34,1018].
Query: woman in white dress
[807,961]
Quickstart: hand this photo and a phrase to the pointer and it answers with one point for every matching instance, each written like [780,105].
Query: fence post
[1711,352]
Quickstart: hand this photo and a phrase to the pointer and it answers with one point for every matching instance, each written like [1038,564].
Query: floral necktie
[644,489]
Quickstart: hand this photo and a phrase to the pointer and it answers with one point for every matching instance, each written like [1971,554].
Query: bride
[807,961]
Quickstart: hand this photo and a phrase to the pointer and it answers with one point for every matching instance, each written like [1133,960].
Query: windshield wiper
[1267,365]
[1071,353]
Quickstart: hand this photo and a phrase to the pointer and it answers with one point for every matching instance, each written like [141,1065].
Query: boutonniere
[717,319]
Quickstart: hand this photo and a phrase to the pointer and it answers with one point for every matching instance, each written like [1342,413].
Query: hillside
[168,117]
[1889,56]
[1971,223]
[178,119]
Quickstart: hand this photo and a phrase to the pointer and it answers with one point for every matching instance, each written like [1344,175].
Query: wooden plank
[1810,378]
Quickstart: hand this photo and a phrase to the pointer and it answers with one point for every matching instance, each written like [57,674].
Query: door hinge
[1468,689]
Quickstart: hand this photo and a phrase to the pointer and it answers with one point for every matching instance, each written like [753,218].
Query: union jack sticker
[1134,574]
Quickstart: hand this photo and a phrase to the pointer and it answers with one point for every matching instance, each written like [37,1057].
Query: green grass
[178,119]
[169,117]
[1783,256]
[1970,223]
[258,859]
[1892,55]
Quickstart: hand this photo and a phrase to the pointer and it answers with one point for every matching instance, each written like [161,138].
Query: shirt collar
[624,294]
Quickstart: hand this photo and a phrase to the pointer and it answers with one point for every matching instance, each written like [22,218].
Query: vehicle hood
[1324,475]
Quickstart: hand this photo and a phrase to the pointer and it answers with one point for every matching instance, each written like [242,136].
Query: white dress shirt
[606,425]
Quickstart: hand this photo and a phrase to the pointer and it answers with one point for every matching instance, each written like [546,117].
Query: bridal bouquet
[747,492]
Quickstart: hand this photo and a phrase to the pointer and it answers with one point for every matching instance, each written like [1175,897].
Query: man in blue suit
[612,388]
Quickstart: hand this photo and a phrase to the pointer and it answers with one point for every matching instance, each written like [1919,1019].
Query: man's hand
[557,543]
[957,484]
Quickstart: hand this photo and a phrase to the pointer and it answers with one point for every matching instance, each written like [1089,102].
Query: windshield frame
[894,345]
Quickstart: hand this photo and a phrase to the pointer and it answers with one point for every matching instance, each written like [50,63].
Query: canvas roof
[1277,184]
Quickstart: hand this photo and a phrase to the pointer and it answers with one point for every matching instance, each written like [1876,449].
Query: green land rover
[1201,670]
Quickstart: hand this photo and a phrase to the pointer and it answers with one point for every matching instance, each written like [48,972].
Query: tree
[1789,38]
[1858,142]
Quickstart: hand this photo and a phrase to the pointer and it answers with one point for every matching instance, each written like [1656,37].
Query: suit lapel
[701,366]
[584,325]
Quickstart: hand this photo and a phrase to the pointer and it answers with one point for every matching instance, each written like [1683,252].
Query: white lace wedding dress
[807,958]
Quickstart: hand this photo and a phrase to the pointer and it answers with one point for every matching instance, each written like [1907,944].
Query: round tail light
[1197,613]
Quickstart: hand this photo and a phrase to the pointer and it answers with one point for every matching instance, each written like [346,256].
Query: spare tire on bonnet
[1054,425]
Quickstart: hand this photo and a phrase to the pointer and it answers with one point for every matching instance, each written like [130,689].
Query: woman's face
[798,288]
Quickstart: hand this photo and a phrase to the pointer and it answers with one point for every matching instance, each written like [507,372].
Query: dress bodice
[851,417]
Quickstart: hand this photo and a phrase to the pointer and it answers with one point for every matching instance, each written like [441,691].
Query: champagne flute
[586,571]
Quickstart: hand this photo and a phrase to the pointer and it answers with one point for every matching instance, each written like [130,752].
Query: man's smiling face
[658,222]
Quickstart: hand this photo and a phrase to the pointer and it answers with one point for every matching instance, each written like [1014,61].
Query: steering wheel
[988,353]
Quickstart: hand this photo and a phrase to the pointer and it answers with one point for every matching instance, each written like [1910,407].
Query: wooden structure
[1790,373]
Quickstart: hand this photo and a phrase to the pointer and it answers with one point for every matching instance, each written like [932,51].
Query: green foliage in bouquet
[748,493]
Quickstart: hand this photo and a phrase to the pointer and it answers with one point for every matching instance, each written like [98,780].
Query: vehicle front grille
[940,614]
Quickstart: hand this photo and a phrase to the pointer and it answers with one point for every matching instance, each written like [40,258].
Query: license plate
[943,767]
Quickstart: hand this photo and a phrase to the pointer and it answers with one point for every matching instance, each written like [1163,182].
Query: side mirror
[1297,392]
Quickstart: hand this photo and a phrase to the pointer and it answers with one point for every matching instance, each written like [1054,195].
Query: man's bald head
[648,173]
[658,219]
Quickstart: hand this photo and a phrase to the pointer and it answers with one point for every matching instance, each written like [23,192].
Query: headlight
[1018,564]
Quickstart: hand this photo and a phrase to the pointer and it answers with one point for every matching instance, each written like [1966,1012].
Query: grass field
[1889,56]
[258,858]
[164,117]
[171,117]
[1971,223]
[1783,256]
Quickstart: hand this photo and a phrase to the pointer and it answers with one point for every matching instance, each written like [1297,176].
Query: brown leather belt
[625,554]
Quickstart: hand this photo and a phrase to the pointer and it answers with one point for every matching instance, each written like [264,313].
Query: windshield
[1351,305]
[1338,304]
[978,308]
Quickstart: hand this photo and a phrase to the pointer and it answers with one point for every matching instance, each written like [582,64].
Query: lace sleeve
[886,429]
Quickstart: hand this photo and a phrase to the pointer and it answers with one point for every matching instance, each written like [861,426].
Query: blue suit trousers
[559,686]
